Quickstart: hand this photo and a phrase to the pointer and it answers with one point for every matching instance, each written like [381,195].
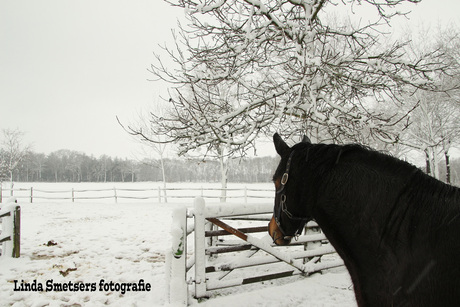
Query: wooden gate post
[177,288]
[200,253]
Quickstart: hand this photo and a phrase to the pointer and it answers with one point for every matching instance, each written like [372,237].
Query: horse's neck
[353,213]
[373,221]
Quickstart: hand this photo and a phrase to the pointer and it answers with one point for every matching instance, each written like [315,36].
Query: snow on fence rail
[209,262]
[10,235]
[160,194]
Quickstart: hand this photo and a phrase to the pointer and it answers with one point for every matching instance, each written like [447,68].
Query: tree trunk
[224,174]
[163,173]
[428,163]
[446,156]
[435,163]
[432,167]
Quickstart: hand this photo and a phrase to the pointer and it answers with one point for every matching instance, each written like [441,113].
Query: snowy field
[86,246]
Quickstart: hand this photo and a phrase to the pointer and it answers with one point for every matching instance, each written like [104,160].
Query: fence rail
[160,194]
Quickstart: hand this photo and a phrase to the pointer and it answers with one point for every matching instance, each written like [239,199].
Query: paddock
[127,241]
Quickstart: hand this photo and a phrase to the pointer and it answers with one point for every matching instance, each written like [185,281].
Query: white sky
[68,68]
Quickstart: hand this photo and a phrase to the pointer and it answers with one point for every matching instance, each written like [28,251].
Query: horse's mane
[324,157]
[419,193]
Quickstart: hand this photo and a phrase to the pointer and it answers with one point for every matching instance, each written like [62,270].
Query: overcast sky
[68,68]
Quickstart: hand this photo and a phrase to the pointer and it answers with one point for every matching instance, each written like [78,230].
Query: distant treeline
[72,166]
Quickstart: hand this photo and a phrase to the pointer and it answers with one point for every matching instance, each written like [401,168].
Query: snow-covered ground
[83,243]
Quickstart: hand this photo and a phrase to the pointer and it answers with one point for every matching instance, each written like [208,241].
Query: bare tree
[247,66]
[13,152]
[432,127]
[38,164]
[244,68]
[3,167]
[153,143]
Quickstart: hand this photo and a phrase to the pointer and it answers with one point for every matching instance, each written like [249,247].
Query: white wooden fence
[10,235]
[158,193]
[195,267]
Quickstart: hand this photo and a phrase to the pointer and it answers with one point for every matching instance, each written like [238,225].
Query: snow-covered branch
[247,67]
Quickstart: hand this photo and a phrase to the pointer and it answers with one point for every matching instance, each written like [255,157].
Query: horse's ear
[305,139]
[280,146]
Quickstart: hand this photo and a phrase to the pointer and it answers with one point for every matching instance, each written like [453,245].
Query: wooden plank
[5,239]
[256,261]
[234,246]
[245,230]
[261,260]
[266,277]
[261,217]
[215,211]
[214,285]
[228,249]
[5,214]
[228,228]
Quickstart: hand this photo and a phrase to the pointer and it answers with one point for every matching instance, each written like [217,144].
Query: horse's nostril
[276,234]
[282,240]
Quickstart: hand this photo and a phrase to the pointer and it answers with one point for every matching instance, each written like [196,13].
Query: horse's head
[289,216]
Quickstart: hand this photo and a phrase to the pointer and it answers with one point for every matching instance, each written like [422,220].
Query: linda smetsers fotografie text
[70,286]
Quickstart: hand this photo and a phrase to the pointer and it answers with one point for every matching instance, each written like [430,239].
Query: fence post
[11,228]
[177,288]
[31,194]
[73,195]
[1,192]
[115,194]
[200,255]
[159,195]
[17,232]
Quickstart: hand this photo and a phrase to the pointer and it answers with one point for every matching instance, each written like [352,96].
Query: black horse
[396,228]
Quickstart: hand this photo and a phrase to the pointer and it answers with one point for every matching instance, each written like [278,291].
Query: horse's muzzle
[276,234]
